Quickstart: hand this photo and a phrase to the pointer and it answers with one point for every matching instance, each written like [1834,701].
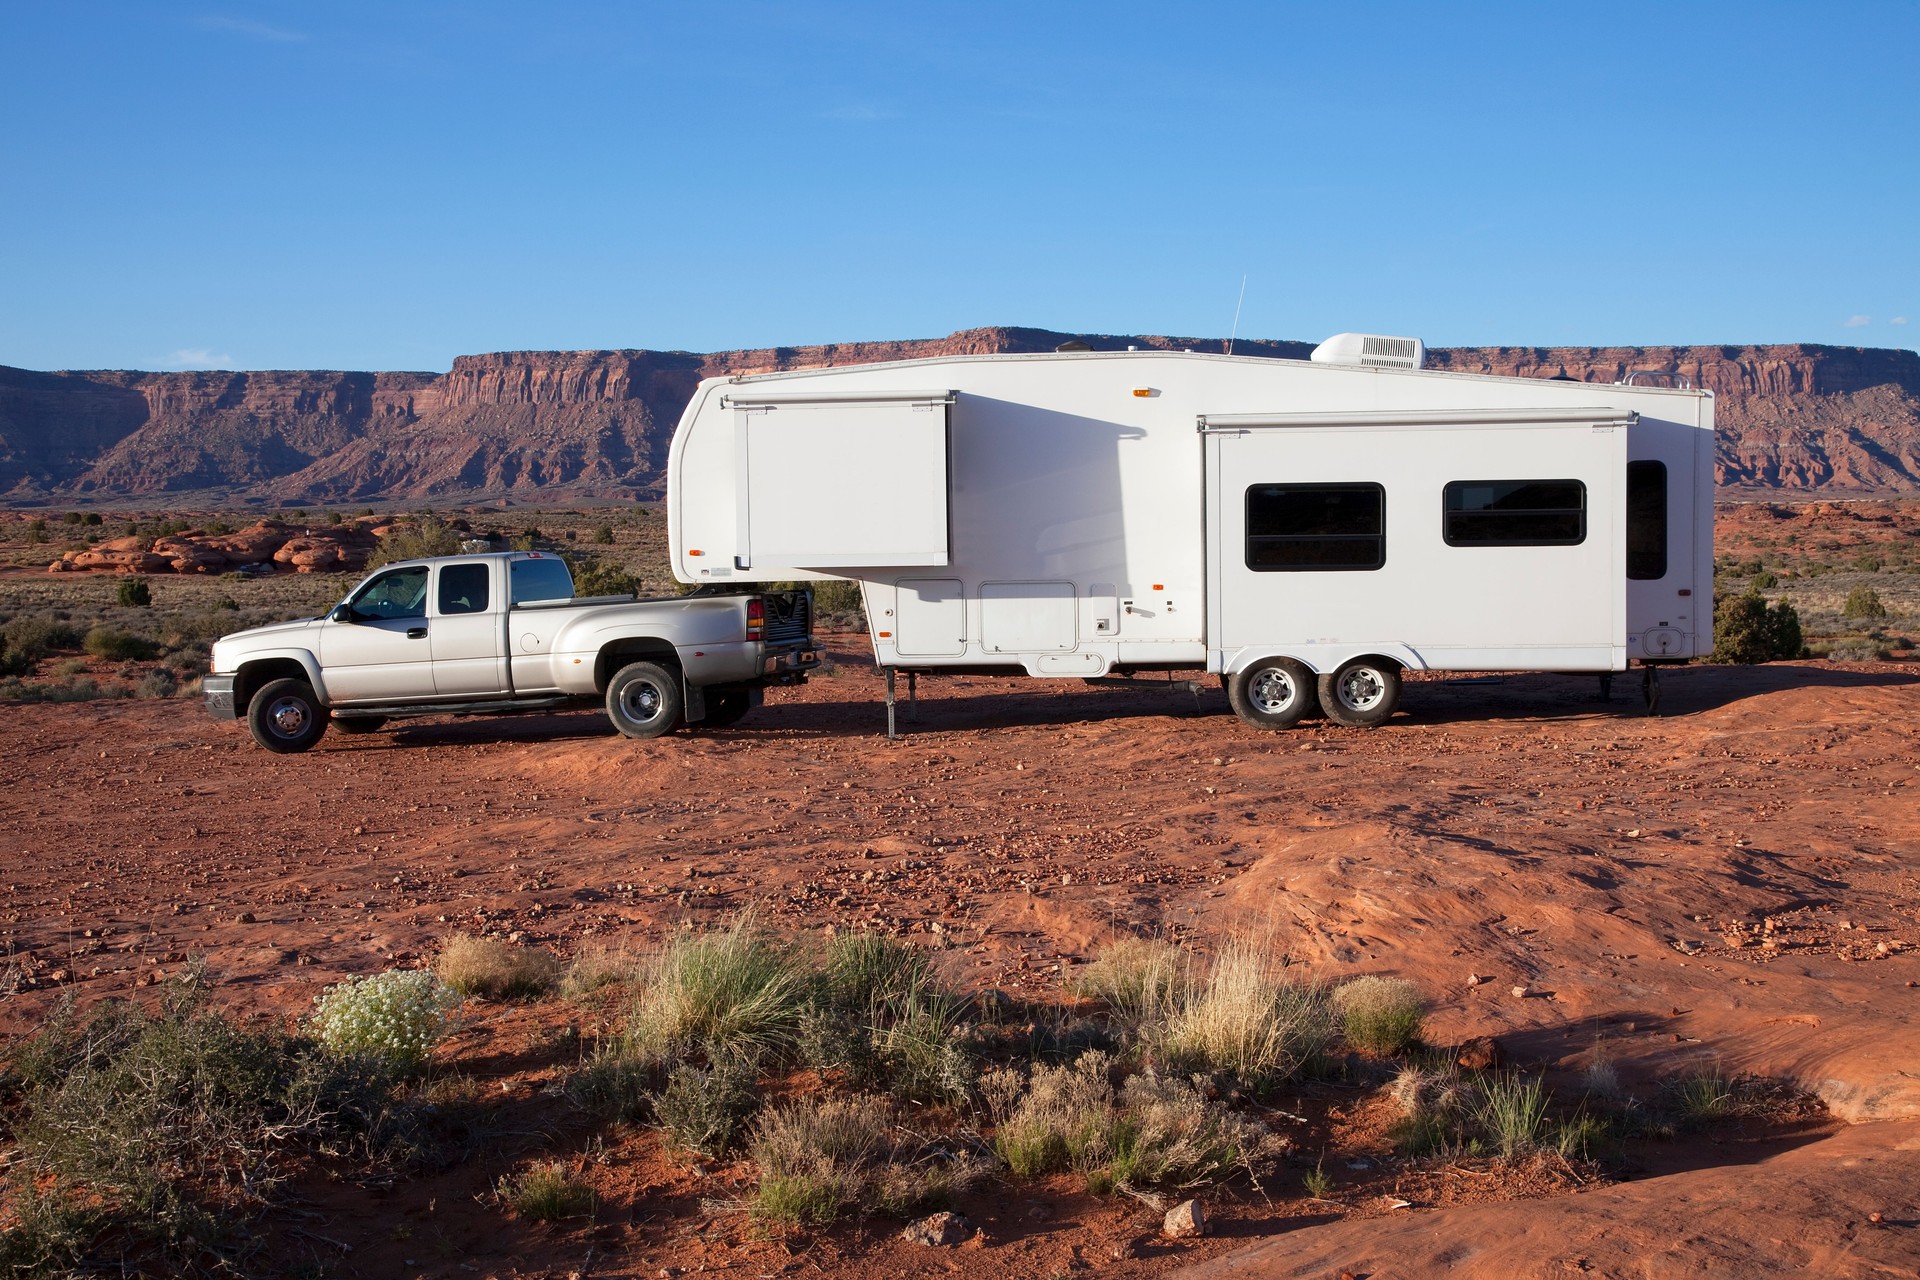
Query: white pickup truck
[502,632]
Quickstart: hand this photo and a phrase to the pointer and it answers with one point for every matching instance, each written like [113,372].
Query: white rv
[1307,530]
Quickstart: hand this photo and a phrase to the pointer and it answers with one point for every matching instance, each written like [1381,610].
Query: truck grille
[789,619]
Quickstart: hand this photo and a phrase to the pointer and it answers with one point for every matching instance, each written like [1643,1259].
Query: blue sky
[388,185]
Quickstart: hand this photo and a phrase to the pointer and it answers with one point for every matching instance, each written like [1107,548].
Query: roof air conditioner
[1372,349]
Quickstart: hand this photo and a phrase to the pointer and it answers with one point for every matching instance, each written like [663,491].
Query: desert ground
[1732,881]
[1732,887]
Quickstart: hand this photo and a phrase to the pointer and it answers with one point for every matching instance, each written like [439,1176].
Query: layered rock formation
[547,426]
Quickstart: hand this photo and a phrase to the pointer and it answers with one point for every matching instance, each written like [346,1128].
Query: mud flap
[693,705]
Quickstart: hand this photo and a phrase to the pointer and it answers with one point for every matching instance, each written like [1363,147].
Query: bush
[32,637]
[613,1086]
[546,1192]
[730,991]
[594,967]
[702,1109]
[428,536]
[593,577]
[1140,981]
[1379,1015]
[1863,605]
[118,646]
[1513,1112]
[1747,630]
[880,1016]
[1765,580]
[837,597]
[495,970]
[157,683]
[393,1018]
[815,1157]
[1248,1019]
[167,1126]
[604,535]
[134,593]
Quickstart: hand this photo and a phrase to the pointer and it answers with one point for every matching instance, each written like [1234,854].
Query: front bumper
[219,695]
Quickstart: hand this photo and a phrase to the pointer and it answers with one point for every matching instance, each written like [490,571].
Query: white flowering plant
[395,1017]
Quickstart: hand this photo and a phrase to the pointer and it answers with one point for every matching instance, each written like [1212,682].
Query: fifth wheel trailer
[1306,530]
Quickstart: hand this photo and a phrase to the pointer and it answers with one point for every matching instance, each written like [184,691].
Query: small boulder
[1481,1053]
[1184,1220]
[938,1229]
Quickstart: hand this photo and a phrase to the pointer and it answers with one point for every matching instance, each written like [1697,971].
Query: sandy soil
[1737,880]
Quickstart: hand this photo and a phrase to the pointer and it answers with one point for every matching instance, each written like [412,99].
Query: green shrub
[702,1109]
[593,577]
[546,1192]
[1863,605]
[32,637]
[1379,1015]
[118,646]
[837,598]
[613,1086]
[394,1017]
[1765,580]
[1747,630]
[1513,1112]
[816,1156]
[134,593]
[604,535]
[427,536]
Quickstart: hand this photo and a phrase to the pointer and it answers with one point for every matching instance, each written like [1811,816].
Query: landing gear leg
[892,733]
[1650,685]
[1606,686]
[913,695]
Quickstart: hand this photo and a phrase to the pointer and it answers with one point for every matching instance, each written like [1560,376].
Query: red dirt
[1737,881]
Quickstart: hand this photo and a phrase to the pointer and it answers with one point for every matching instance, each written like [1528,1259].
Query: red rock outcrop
[265,544]
[577,425]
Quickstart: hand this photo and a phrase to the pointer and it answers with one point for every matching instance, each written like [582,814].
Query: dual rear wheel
[1276,693]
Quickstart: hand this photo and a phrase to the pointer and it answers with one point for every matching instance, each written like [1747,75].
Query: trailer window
[1515,513]
[1646,520]
[1316,526]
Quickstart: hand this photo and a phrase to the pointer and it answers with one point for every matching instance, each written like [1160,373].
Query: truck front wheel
[285,717]
[643,700]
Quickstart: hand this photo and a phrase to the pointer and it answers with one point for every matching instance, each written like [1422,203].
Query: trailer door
[842,480]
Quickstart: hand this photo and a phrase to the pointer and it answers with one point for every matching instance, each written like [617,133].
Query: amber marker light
[1146,392]
[886,635]
[696,552]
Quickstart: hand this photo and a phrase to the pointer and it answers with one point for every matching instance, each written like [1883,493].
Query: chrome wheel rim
[289,717]
[1362,689]
[641,701]
[1272,691]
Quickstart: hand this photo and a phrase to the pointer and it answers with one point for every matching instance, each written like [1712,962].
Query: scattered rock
[1481,1053]
[245,917]
[1121,1250]
[1522,992]
[1474,979]
[1184,1220]
[938,1229]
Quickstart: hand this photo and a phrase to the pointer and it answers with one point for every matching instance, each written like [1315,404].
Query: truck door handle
[416,633]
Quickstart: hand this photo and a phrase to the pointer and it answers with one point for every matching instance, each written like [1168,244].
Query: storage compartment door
[930,618]
[837,485]
[1028,617]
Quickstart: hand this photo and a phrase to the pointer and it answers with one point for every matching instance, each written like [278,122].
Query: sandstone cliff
[547,426]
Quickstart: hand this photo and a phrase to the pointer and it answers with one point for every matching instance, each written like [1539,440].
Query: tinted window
[400,594]
[1646,519]
[543,579]
[1515,513]
[1316,526]
[463,588]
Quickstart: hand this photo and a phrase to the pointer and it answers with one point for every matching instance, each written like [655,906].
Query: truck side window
[1297,527]
[400,594]
[463,588]
[1514,513]
[1646,520]
[543,579]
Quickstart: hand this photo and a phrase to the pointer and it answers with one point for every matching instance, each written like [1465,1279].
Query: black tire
[643,700]
[1361,692]
[729,706]
[360,724]
[1273,693]
[285,717]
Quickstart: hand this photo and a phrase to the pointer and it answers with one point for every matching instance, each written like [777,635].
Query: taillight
[756,618]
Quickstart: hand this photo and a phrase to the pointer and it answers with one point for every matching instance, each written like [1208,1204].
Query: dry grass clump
[546,1192]
[595,967]
[1140,980]
[495,970]
[1151,1132]
[823,1156]
[1379,1015]
[881,1018]
[735,991]
[1247,1018]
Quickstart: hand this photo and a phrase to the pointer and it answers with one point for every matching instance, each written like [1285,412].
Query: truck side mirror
[342,613]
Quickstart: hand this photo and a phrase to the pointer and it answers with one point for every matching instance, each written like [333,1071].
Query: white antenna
[1236,312]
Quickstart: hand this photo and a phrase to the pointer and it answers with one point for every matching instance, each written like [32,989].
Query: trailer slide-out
[1307,530]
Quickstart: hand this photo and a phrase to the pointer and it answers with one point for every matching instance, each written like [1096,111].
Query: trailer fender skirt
[1321,657]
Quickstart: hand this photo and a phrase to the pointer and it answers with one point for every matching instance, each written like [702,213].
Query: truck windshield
[543,579]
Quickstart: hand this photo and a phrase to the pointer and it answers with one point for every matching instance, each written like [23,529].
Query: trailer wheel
[1361,692]
[643,700]
[1272,693]
[285,717]
[729,706]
